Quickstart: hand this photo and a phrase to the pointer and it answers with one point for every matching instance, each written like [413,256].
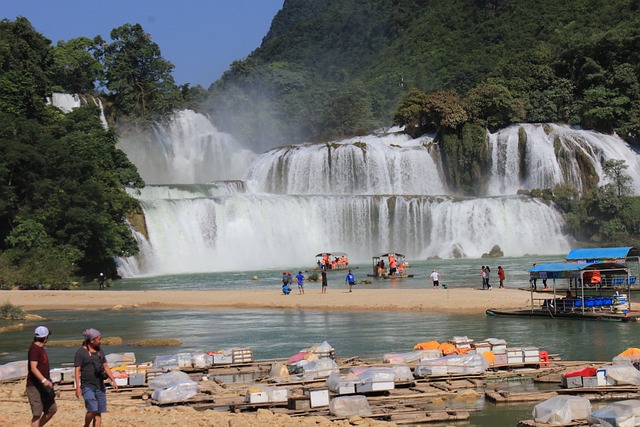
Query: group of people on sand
[287,280]
[90,372]
[485,272]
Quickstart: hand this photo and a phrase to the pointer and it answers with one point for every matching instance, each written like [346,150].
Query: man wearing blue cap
[39,387]
[91,369]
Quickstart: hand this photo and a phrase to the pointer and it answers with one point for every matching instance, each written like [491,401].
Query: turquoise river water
[281,333]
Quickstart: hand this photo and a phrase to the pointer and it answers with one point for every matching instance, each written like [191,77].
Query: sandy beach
[428,300]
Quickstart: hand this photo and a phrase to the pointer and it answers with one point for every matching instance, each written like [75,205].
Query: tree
[76,70]
[137,77]
[614,169]
[26,61]
[494,105]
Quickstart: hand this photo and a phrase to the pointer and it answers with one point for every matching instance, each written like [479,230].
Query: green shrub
[9,311]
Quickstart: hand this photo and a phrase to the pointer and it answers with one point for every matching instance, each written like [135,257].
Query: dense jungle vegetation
[325,70]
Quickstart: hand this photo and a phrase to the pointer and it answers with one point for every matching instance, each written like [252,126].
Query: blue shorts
[95,400]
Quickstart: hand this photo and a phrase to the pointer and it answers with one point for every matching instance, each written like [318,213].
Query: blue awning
[557,266]
[592,255]
[566,270]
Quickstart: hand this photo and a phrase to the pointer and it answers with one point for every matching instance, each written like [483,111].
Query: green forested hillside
[335,68]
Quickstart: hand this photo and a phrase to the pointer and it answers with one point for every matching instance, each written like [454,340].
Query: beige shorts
[40,402]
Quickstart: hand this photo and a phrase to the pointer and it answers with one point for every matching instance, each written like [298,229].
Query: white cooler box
[375,386]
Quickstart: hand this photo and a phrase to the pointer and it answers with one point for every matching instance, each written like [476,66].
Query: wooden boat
[383,270]
[338,261]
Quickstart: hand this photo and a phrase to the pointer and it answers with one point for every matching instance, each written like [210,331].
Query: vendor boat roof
[597,255]
[386,255]
[321,254]
[556,269]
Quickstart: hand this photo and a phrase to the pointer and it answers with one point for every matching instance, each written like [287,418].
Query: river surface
[281,333]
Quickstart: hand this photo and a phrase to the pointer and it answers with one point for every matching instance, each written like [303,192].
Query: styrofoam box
[122,381]
[219,358]
[346,389]
[571,382]
[531,351]
[136,379]
[499,349]
[601,375]
[590,381]
[500,359]
[279,395]
[375,386]
[514,352]
[532,359]
[318,396]
[257,397]
[482,347]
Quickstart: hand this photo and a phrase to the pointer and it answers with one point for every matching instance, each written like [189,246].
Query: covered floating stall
[575,302]
[392,269]
[331,261]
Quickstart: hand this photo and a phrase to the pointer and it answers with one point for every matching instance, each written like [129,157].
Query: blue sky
[200,37]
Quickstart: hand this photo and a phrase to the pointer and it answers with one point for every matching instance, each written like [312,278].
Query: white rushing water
[67,102]
[364,196]
[187,150]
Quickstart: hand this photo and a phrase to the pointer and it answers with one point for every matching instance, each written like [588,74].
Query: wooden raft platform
[631,316]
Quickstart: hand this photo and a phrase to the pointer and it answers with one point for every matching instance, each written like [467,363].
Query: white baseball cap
[41,332]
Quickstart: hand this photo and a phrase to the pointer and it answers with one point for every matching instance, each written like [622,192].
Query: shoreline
[461,300]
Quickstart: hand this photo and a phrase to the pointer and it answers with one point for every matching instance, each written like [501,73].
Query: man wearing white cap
[39,387]
[91,369]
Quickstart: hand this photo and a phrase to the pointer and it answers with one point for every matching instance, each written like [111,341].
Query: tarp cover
[562,410]
[631,353]
[618,414]
[623,372]
[349,406]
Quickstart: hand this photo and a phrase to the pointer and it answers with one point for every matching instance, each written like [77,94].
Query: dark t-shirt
[324,278]
[37,353]
[88,365]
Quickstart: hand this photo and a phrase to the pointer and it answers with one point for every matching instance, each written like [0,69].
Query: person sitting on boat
[400,269]
[568,295]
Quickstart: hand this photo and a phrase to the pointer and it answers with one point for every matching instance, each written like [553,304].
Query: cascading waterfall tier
[187,150]
[253,231]
[364,195]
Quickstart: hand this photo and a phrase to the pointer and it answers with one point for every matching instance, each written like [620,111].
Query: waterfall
[551,155]
[364,196]
[253,231]
[391,164]
[187,150]
[67,102]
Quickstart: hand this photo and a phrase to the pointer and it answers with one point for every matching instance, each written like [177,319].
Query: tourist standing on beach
[488,270]
[483,273]
[533,281]
[501,276]
[300,279]
[435,278]
[91,369]
[39,387]
[324,281]
[350,280]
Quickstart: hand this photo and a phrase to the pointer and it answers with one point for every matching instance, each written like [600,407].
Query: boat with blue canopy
[583,287]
